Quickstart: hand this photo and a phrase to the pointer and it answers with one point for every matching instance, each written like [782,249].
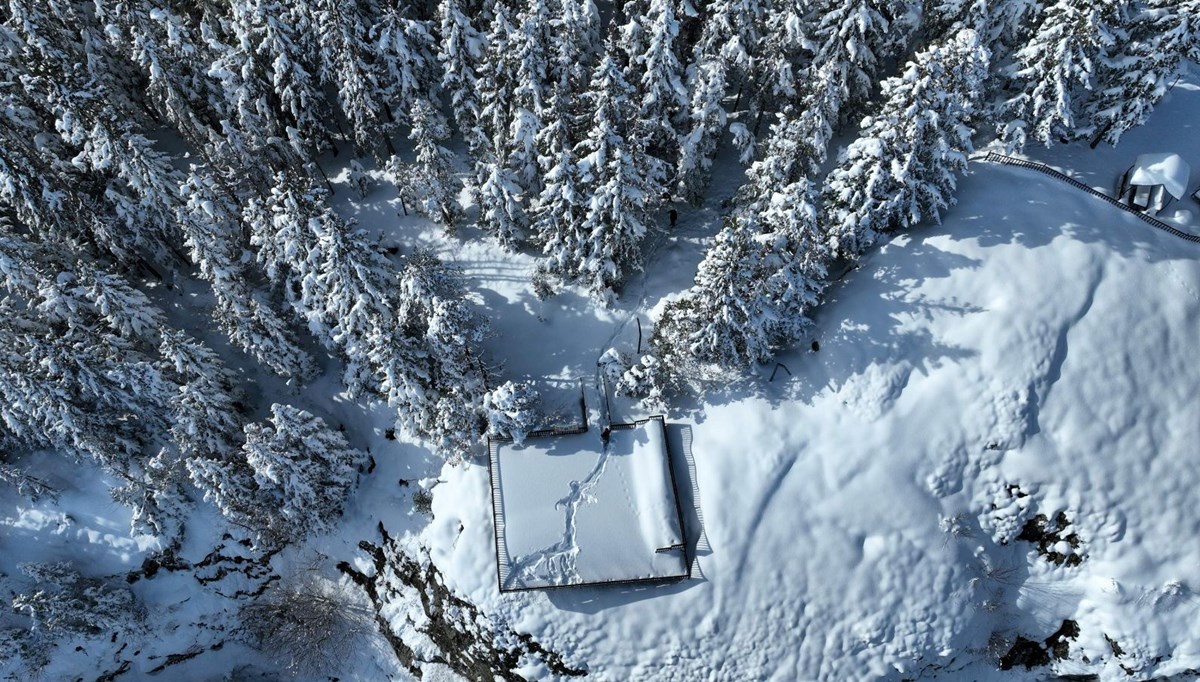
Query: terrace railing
[993,157]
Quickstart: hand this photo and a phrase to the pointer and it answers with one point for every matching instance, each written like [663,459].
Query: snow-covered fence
[993,157]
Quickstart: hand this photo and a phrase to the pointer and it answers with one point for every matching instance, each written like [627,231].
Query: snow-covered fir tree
[433,183]
[1060,68]
[459,51]
[408,73]
[901,170]
[212,224]
[501,210]
[706,118]
[65,602]
[797,143]
[529,98]
[441,399]
[620,182]
[752,294]
[496,76]
[575,35]
[851,37]
[558,210]
[1140,70]
[267,28]
[339,34]
[303,470]
[512,410]
[658,75]
[404,337]
[733,33]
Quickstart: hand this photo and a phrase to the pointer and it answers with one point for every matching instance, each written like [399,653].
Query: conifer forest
[195,261]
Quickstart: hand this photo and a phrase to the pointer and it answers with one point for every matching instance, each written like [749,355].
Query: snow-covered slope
[1032,355]
[858,517]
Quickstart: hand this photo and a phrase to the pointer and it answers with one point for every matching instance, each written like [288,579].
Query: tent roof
[1168,170]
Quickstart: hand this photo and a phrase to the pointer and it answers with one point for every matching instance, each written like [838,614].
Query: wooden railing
[993,157]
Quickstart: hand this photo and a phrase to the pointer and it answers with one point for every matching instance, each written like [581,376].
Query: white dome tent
[1154,180]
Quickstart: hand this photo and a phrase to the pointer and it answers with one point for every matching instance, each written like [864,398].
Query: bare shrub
[306,625]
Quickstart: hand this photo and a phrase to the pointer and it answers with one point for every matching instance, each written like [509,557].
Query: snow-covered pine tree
[136,180]
[404,337]
[211,222]
[334,277]
[901,170]
[723,318]
[733,32]
[503,129]
[950,16]
[520,147]
[27,485]
[782,56]
[303,470]
[339,34]
[270,32]
[501,210]
[557,212]
[460,50]
[512,410]
[575,42]
[170,55]
[706,120]
[1141,69]
[732,35]
[851,37]
[79,375]
[102,375]
[49,400]
[659,83]
[1059,69]
[206,413]
[433,172]
[620,182]
[796,145]
[39,188]
[253,128]
[441,398]
[149,194]
[752,293]
[496,78]
[404,55]
[64,602]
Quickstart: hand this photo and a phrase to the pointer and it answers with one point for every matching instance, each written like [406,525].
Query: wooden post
[777,366]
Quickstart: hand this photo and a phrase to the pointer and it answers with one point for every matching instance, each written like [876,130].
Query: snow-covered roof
[1168,170]
[578,509]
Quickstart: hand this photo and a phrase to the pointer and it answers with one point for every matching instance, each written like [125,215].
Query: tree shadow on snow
[864,321]
[1038,209]
[593,600]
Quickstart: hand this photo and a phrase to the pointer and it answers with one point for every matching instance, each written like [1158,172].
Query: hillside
[275,275]
[1030,355]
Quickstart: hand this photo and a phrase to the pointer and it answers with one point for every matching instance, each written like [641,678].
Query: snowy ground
[586,508]
[860,517]
[856,518]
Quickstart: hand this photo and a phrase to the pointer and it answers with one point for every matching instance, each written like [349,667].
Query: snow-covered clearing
[1029,356]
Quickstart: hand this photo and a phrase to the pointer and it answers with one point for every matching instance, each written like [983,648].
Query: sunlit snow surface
[859,516]
[844,517]
[576,509]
